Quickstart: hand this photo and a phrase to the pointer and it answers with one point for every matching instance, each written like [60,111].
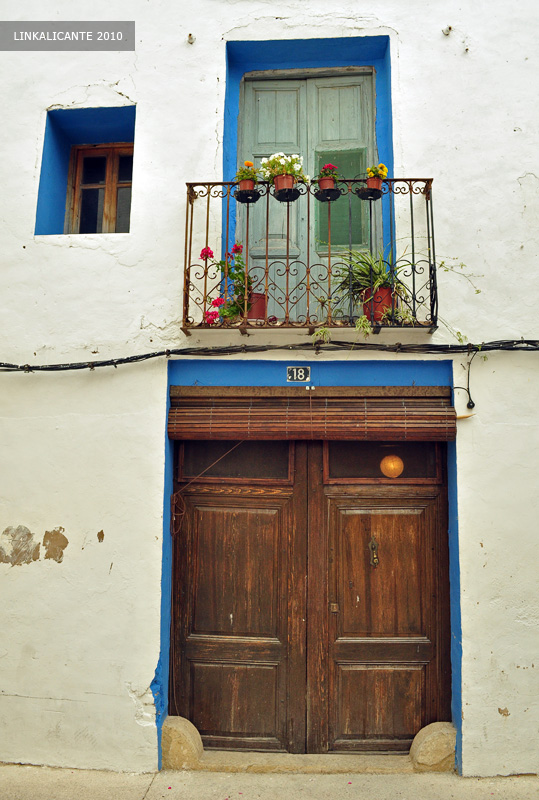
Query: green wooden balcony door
[324,119]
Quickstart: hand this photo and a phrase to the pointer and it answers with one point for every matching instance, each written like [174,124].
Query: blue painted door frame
[216,372]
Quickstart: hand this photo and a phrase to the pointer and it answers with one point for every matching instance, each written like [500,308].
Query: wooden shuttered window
[354,413]
[99,193]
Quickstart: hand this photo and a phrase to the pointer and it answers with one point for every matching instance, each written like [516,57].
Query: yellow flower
[248,163]
[382,166]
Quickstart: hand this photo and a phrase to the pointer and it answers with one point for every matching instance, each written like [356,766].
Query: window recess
[99,194]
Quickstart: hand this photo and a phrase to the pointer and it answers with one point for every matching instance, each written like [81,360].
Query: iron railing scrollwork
[304,259]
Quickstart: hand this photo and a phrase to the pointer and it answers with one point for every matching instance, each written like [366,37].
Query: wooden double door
[310,607]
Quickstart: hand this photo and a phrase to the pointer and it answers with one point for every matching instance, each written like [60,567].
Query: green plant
[458,268]
[246,173]
[363,273]
[238,282]
[323,334]
[281,164]
[400,315]
[363,326]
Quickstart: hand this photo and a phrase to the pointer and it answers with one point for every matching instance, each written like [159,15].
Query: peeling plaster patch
[100,536]
[144,705]
[504,712]
[55,543]
[17,546]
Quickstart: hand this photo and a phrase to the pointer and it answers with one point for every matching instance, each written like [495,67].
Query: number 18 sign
[298,374]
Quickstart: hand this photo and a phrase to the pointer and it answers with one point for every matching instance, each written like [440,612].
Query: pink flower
[211,317]
[329,166]
[206,253]
[217,302]
[238,248]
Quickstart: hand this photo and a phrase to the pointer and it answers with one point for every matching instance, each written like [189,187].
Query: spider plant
[363,273]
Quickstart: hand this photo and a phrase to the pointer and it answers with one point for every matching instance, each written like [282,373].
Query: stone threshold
[322,764]
[182,749]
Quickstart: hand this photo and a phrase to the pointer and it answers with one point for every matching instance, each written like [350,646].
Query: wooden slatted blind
[361,413]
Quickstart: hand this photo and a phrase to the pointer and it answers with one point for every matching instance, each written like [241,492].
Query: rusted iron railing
[308,258]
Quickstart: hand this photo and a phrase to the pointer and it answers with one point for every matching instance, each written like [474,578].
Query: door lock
[373,547]
[334,608]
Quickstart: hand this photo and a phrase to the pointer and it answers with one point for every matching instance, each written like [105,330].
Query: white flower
[282,161]
[264,161]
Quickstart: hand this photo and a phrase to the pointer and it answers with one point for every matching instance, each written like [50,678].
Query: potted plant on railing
[237,302]
[375,176]
[246,177]
[368,280]
[327,176]
[283,171]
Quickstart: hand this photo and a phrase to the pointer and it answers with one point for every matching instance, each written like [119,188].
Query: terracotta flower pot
[283,182]
[246,185]
[326,183]
[375,305]
[258,306]
[374,183]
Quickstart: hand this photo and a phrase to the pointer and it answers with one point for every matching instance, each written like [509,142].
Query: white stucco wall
[84,451]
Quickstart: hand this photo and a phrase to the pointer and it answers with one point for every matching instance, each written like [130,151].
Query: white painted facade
[84,451]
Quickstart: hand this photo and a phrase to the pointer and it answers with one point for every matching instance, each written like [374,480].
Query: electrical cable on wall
[503,345]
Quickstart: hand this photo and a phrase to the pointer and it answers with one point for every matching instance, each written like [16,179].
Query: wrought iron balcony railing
[306,258]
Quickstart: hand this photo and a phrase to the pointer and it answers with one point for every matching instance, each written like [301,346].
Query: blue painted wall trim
[206,372]
[357,51]
[324,373]
[63,129]
[159,685]
[454,596]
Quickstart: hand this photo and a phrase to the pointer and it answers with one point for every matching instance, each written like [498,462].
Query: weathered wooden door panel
[240,610]
[383,623]
[237,547]
[376,704]
[235,625]
[344,650]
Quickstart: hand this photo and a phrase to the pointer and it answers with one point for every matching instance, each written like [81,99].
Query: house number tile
[298,374]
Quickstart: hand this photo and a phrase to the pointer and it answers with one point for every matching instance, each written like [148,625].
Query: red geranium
[328,171]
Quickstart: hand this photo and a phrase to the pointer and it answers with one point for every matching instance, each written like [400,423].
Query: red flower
[238,248]
[329,166]
[211,317]
[206,253]
[217,302]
